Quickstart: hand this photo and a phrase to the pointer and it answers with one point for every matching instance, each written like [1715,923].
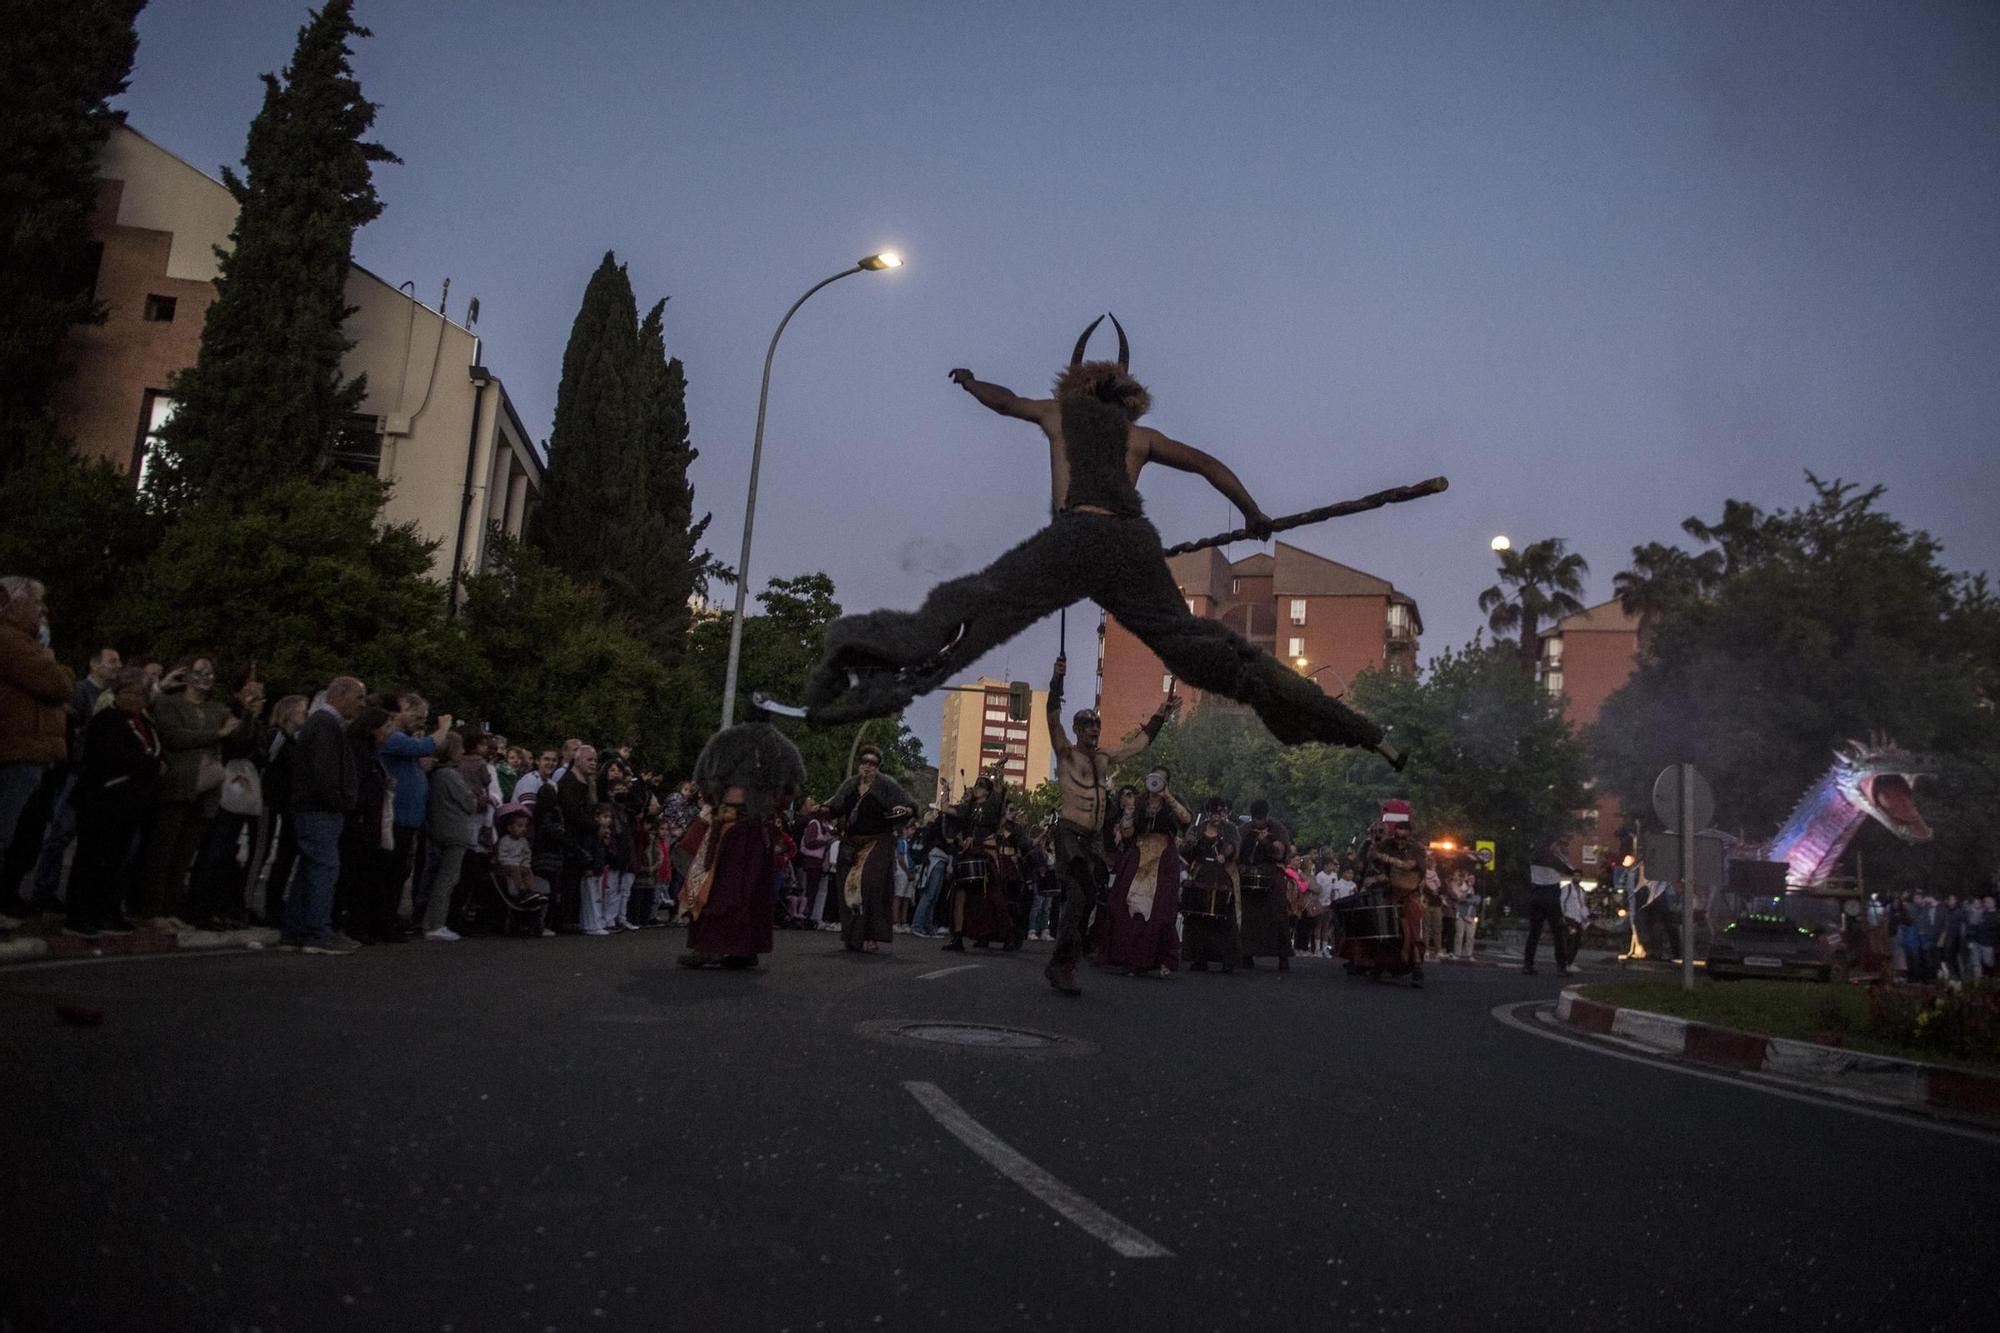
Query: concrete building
[436,424]
[978,732]
[1584,660]
[1322,618]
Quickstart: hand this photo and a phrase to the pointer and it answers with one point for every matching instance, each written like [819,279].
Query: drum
[968,874]
[1368,915]
[1258,879]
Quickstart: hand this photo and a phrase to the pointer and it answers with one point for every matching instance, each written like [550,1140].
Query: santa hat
[1395,812]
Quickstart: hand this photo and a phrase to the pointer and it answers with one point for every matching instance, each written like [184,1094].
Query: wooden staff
[1394,495]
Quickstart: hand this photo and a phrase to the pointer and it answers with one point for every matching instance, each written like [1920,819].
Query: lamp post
[872,264]
[1314,672]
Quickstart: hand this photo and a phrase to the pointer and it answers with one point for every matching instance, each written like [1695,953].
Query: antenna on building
[472,312]
[444,297]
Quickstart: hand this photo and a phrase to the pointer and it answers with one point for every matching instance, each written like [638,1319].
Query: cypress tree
[60,62]
[591,493]
[669,494]
[263,402]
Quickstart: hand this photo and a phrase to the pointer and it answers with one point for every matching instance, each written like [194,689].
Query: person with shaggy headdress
[745,775]
[868,807]
[1211,928]
[1098,545]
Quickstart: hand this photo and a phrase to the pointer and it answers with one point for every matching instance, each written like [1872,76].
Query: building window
[1295,647]
[1167,683]
[357,445]
[1554,681]
[159,309]
[1191,610]
[1552,651]
[1399,621]
[1298,610]
[1235,585]
[154,414]
[1591,853]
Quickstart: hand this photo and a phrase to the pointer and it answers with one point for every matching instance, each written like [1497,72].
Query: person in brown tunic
[868,806]
[745,773]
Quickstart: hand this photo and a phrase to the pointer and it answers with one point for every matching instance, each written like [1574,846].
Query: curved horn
[1076,357]
[1124,352]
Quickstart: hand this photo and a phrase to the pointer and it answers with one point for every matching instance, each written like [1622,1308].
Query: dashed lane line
[1073,1207]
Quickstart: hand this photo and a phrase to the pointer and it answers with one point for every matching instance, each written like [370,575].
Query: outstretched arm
[1172,453]
[1150,728]
[1004,400]
[1058,739]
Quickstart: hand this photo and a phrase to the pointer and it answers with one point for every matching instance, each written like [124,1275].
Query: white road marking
[947,971]
[1910,1119]
[1127,1241]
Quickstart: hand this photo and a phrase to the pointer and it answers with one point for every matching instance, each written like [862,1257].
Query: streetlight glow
[1301,661]
[887,259]
[1500,543]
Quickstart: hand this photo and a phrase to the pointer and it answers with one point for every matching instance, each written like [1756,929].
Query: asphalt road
[574,1134]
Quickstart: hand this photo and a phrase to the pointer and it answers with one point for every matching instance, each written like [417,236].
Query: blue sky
[1603,265]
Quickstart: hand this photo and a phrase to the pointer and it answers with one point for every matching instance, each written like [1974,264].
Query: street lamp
[1315,671]
[871,264]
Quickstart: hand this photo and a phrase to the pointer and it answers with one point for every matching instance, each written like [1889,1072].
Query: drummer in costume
[1141,932]
[868,806]
[1264,910]
[1083,775]
[985,866]
[744,776]
[1392,874]
[1211,930]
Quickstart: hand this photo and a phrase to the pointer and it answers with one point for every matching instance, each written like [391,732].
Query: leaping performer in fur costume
[1098,545]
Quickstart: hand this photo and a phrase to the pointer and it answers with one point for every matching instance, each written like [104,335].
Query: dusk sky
[1604,266]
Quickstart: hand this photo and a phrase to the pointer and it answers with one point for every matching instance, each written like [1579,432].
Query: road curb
[57,947]
[1883,1078]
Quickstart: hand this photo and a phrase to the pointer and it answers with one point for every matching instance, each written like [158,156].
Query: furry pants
[1115,562]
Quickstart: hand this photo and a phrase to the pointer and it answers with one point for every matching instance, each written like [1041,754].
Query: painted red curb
[1592,1016]
[1724,1046]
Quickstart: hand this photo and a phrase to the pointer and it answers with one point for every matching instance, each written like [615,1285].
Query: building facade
[1585,658]
[978,732]
[436,424]
[1325,620]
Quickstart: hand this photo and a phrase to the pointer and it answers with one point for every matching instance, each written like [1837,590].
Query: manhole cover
[977,1034]
[935,1032]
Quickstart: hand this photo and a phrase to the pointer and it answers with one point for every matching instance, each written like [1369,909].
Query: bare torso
[1138,449]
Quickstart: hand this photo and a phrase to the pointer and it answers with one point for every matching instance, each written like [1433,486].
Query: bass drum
[1368,915]
[969,874]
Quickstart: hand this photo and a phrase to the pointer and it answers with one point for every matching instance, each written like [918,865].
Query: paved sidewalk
[1912,1084]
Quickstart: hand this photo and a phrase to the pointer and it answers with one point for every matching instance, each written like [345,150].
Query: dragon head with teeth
[1880,778]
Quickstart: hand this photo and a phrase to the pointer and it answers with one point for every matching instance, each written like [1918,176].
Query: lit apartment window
[1554,681]
[153,417]
[1399,620]
[1295,647]
[1552,651]
[159,309]
[1298,610]
[1235,585]
[1191,610]
[1167,683]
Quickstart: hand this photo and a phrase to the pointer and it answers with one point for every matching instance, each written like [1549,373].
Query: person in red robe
[1393,871]
[745,774]
[1141,934]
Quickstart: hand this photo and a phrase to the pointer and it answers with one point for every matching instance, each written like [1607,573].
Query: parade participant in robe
[1393,866]
[1141,931]
[1265,907]
[745,775]
[868,807]
[980,907]
[1083,775]
[1211,929]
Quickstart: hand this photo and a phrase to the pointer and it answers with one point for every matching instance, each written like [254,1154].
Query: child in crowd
[594,849]
[513,866]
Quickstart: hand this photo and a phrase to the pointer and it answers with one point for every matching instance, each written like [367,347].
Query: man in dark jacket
[325,786]
[576,796]
[34,701]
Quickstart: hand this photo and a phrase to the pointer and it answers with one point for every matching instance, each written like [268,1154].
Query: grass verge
[1803,1011]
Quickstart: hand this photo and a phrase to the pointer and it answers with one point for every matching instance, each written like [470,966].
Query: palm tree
[1663,578]
[1538,583]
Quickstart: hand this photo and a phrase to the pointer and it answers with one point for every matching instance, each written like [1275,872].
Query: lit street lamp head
[887,259]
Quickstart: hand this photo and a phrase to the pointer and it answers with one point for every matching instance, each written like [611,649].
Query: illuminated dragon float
[1868,780]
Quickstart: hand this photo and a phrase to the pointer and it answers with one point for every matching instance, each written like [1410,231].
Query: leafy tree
[1825,622]
[588,498]
[77,525]
[682,569]
[265,399]
[307,583]
[1539,584]
[1663,579]
[61,63]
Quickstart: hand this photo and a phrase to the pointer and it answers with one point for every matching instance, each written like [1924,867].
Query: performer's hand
[961,377]
[1062,665]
